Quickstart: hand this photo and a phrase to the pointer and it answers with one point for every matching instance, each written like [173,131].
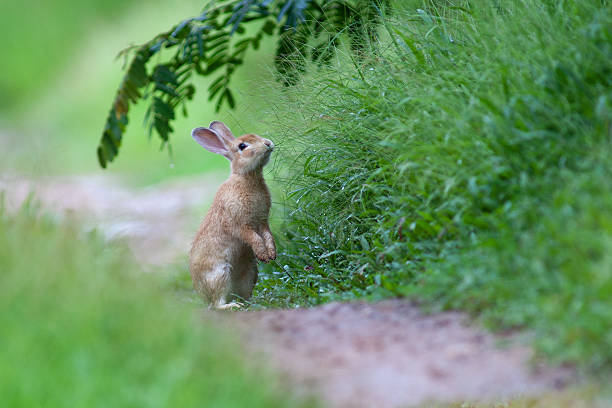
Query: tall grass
[82,326]
[464,161]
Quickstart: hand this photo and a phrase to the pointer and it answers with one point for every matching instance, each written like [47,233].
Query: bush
[467,164]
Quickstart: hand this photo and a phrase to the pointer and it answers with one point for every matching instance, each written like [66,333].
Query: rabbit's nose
[269,144]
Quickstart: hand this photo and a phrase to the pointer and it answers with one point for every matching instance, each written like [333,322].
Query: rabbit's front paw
[262,254]
[272,253]
[263,257]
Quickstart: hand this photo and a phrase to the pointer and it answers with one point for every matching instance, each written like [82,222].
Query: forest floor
[386,354]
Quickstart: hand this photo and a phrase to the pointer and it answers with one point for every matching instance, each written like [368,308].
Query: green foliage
[465,161]
[82,326]
[214,44]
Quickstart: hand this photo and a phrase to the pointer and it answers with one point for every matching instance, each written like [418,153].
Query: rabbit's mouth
[265,157]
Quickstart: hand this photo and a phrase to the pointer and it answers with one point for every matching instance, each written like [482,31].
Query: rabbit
[235,232]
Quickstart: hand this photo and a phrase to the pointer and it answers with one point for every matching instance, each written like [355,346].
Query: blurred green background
[60,73]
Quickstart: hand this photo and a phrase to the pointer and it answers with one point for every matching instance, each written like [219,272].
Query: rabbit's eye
[242,146]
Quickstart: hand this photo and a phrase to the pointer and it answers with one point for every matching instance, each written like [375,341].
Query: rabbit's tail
[216,285]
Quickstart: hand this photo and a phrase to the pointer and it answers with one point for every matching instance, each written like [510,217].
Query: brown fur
[235,232]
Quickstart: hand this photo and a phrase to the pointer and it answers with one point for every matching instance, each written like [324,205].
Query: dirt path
[389,354]
[156,222]
[382,355]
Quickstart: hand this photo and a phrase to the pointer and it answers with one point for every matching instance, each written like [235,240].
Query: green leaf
[163,74]
[214,66]
[230,98]
[101,157]
[269,27]
[166,89]
[162,109]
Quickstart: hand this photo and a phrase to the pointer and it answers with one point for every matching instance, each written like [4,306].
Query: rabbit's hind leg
[229,306]
[246,279]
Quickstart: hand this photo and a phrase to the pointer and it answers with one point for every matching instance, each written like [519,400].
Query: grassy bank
[463,161]
[83,326]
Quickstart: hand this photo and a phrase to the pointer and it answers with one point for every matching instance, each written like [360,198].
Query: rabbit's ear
[222,130]
[211,141]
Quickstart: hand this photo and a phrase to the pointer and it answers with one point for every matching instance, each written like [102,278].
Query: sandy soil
[387,354]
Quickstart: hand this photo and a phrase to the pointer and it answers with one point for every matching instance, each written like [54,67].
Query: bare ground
[390,354]
[387,354]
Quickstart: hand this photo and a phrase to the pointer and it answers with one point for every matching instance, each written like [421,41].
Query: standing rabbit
[235,232]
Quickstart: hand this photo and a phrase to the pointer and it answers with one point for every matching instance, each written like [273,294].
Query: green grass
[83,326]
[467,163]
